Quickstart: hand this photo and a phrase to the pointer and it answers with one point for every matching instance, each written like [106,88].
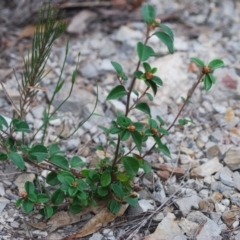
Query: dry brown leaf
[38,225]
[229,115]
[29,30]
[104,216]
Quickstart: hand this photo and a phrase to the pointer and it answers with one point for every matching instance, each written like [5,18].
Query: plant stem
[180,111]
[128,100]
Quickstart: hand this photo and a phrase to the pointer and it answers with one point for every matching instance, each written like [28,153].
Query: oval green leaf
[144,52]
[207,82]
[142,106]
[17,160]
[60,161]
[198,61]
[216,63]
[58,197]
[148,13]
[117,92]
[114,206]
[105,179]
[166,39]
[131,166]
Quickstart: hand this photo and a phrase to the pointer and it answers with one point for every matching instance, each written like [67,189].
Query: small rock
[96,236]
[236,180]
[80,22]
[226,202]
[229,218]
[3,203]
[146,205]
[73,144]
[55,122]
[235,224]
[218,186]
[217,196]
[2,190]
[206,205]
[38,112]
[14,224]
[232,159]
[167,229]
[210,229]
[187,151]
[226,177]
[213,151]
[185,204]
[235,199]
[207,168]
[188,227]
[158,217]
[219,108]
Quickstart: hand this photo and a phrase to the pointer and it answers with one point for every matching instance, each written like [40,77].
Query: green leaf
[148,13]
[57,197]
[207,82]
[138,74]
[118,190]
[65,179]
[164,149]
[114,206]
[122,177]
[48,211]
[153,86]
[137,138]
[157,80]
[58,87]
[29,187]
[167,29]
[117,67]
[20,126]
[54,149]
[162,122]
[74,75]
[154,70]
[3,156]
[198,61]
[149,95]
[144,52]
[59,161]
[99,147]
[75,208]
[72,191]
[81,184]
[117,92]
[142,106]
[147,67]
[213,79]
[124,135]
[77,162]
[42,198]
[166,39]
[131,166]
[146,167]
[123,121]
[52,179]
[32,197]
[3,121]
[152,123]
[39,151]
[19,202]
[17,160]
[216,63]
[182,122]
[27,205]
[133,201]
[106,179]
[102,191]
[104,129]
[163,131]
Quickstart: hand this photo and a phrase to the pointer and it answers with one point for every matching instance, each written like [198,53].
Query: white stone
[167,229]
[146,205]
[38,112]
[207,168]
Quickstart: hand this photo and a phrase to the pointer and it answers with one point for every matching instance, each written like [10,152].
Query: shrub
[112,177]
